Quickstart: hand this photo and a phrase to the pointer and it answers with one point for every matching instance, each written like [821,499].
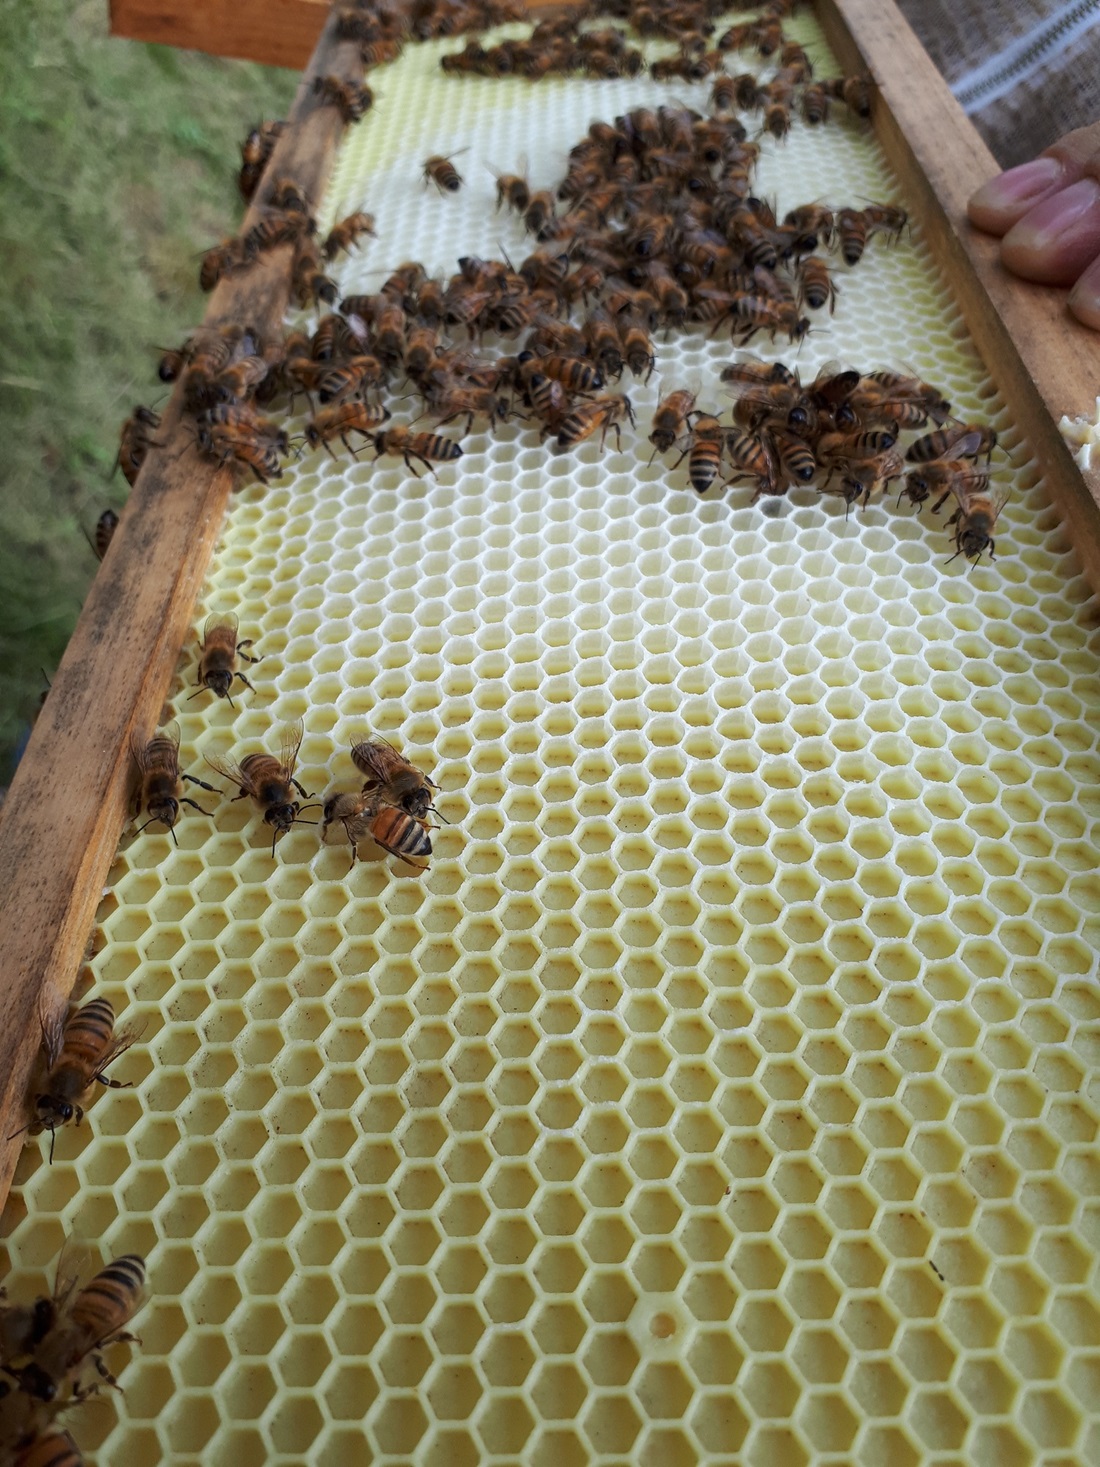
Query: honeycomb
[726,1089]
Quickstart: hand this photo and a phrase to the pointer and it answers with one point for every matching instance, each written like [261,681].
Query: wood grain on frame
[276,32]
[1044,361]
[67,803]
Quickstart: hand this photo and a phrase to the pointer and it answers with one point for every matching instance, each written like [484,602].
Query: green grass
[117,166]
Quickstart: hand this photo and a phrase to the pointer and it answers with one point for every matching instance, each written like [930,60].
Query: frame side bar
[1043,360]
[65,809]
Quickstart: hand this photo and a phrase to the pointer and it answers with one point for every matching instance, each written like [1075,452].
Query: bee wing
[220,619]
[291,743]
[377,759]
[231,770]
[121,1041]
[53,1035]
[67,1275]
[1001,501]
[138,752]
[967,446]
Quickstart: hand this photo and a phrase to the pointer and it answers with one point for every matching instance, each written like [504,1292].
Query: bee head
[219,680]
[34,1380]
[53,1111]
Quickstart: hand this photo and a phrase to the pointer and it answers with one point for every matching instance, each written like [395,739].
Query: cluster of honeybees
[51,1357]
[654,225]
[842,431]
[560,45]
[392,808]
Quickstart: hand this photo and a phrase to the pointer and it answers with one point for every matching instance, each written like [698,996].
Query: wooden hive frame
[67,804]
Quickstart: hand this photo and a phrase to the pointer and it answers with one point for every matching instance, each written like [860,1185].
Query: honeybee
[837,447]
[269,781]
[670,419]
[221,260]
[777,119]
[357,374]
[794,455]
[309,283]
[77,1052]
[704,452]
[853,91]
[539,212]
[754,373]
[753,313]
[135,441]
[513,191]
[256,151]
[347,233]
[379,53]
[426,448]
[218,661]
[443,173]
[239,418]
[160,792]
[752,459]
[456,401]
[389,334]
[342,419]
[944,474]
[352,100]
[393,829]
[815,284]
[104,533]
[601,412]
[286,193]
[815,104]
[601,337]
[87,1321]
[49,1449]
[852,227]
[891,390]
[229,443]
[574,374]
[236,380]
[966,440]
[549,400]
[975,518]
[392,778]
[637,351]
[867,476]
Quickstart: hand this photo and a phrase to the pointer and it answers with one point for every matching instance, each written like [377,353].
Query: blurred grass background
[117,166]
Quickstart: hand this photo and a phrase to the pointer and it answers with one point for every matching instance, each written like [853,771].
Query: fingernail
[1017,185]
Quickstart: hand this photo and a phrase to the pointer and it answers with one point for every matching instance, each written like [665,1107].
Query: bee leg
[409,466]
[245,681]
[190,778]
[299,788]
[240,653]
[936,507]
[199,808]
[115,1084]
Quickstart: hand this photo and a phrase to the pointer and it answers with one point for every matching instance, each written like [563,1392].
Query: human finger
[1000,203]
[1004,200]
[1084,298]
[1057,238]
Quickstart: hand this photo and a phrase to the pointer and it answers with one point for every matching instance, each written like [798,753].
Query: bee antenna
[199,689]
[20,1132]
[147,824]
